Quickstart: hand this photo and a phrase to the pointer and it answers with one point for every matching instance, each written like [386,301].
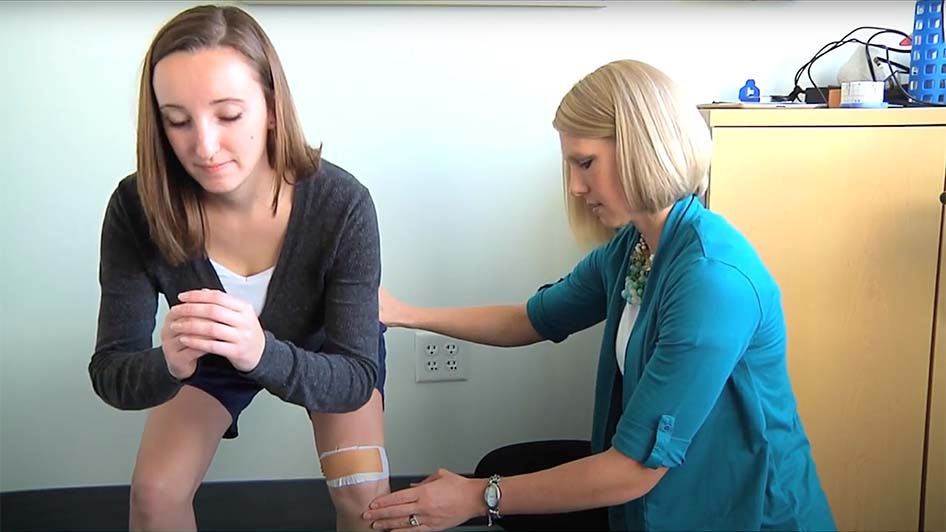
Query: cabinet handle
[942,198]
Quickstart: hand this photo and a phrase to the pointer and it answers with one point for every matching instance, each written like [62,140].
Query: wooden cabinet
[935,508]
[843,206]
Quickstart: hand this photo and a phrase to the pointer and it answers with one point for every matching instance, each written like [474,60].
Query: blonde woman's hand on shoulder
[392,311]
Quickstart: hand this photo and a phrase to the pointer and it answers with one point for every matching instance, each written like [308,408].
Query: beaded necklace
[637,272]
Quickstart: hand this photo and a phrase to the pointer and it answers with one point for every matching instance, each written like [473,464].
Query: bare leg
[337,431]
[178,444]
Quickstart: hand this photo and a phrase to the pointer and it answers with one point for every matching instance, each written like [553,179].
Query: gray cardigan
[320,317]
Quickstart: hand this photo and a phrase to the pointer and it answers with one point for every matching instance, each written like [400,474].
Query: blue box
[928,53]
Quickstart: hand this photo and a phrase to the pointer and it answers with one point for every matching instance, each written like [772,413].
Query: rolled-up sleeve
[574,303]
[705,324]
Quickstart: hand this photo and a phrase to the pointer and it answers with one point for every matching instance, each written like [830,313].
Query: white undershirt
[628,318]
[251,289]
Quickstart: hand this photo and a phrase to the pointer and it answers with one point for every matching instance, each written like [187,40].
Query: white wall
[443,112]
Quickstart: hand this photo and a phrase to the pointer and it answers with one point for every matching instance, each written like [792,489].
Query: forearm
[132,381]
[445,499]
[318,381]
[497,325]
[604,479]
[126,370]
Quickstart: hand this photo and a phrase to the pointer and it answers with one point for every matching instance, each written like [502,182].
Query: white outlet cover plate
[440,358]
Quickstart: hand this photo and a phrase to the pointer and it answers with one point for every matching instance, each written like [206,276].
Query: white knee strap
[354,465]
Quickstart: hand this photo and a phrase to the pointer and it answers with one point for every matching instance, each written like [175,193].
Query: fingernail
[373,505]
[366,516]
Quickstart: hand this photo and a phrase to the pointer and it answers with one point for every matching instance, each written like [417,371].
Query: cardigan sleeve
[573,303]
[126,371]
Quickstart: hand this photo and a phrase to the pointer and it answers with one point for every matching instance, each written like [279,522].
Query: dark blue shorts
[217,377]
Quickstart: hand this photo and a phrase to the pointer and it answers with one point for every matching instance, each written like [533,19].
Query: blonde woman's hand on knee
[442,500]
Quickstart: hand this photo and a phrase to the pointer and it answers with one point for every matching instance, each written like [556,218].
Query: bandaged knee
[354,465]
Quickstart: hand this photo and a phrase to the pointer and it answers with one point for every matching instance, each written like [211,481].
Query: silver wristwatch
[492,495]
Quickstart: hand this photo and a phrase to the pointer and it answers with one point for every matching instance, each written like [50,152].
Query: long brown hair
[169,196]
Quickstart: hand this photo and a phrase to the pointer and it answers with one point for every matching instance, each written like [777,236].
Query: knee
[353,500]
[155,495]
[355,476]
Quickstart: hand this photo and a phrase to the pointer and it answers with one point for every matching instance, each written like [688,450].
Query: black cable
[834,45]
[901,66]
[815,85]
[870,64]
[820,53]
[842,40]
[907,93]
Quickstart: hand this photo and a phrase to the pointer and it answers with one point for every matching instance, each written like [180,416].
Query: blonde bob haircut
[170,197]
[662,143]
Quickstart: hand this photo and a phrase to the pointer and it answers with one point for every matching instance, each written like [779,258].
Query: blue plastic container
[928,53]
[749,92]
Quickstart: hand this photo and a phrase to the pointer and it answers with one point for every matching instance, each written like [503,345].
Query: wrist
[477,489]
[492,497]
[411,318]
[249,366]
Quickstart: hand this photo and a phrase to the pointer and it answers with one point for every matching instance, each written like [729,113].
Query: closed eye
[184,123]
[174,124]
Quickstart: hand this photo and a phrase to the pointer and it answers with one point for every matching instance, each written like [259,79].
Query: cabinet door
[935,507]
[847,219]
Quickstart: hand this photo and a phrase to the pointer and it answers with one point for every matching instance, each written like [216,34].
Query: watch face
[492,495]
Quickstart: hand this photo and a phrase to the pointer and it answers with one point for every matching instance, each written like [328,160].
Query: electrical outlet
[439,358]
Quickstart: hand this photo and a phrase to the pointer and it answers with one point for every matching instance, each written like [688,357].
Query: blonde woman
[695,423]
[268,257]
